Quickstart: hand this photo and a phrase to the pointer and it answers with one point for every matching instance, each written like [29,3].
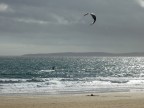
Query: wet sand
[97,100]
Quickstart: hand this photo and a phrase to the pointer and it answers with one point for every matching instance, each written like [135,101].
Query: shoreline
[66,93]
[84,100]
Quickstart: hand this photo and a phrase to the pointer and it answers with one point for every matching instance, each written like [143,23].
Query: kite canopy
[93,16]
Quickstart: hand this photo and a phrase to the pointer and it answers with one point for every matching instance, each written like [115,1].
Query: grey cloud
[140,2]
[60,23]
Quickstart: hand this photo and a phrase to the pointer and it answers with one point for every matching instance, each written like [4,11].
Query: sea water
[58,75]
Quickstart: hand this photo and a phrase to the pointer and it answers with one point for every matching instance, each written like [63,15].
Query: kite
[93,16]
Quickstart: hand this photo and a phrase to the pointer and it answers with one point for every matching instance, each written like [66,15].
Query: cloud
[60,20]
[56,20]
[141,3]
[4,7]
[63,20]
[31,21]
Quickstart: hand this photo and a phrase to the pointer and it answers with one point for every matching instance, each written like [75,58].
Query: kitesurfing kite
[93,16]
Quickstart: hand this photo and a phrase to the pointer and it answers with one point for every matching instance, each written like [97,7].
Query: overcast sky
[47,26]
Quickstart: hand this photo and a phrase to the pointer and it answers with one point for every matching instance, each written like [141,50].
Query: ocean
[70,75]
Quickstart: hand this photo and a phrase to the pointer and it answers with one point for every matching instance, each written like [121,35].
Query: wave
[56,85]
[12,80]
[35,80]
[115,80]
[47,71]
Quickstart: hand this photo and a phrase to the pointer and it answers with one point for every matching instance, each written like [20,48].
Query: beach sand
[99,100]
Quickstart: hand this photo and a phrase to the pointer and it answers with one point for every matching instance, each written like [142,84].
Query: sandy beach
[100,100]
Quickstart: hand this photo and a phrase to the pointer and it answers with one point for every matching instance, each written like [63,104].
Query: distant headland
[133,54]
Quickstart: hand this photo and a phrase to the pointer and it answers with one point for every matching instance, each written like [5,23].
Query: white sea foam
[59,85]
[46,70]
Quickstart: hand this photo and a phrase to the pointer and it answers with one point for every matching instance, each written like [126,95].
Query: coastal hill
[141,54]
